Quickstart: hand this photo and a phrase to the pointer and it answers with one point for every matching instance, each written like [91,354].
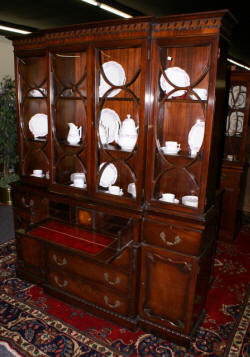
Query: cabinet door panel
[168,281]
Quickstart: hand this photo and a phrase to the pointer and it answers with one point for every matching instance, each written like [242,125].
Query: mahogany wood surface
[157,270]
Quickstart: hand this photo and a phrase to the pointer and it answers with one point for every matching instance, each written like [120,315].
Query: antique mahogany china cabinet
[233,166]
[116,209]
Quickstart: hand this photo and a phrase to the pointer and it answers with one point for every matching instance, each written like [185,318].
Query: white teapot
[128,134]
[75,134]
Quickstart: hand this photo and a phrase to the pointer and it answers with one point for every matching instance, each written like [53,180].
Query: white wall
[6,58]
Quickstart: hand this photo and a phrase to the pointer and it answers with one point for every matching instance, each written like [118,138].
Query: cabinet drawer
[171,237]
[94,293]
[35,205]
[103,274]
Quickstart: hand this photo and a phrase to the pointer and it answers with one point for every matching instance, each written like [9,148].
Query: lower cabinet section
[134,273]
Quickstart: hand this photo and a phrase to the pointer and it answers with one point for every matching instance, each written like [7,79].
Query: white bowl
[190,201]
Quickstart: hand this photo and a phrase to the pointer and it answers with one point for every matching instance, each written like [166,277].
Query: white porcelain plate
[109,126]
[109,175]
[38,125]
[235,125]
[115,74]
[237,97]
[196,135]
[178,77]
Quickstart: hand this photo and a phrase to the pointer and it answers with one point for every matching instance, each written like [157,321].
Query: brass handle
[116,304]
[60,263]
[176,241]
[117,280]
[27,205]
[63,284]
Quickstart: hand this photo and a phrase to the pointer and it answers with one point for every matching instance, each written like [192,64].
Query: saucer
[39,176]
[73,185]
[176,201]
[116,194]
[169,152]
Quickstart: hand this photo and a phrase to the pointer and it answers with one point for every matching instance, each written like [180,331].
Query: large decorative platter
[196,135]
[235,123]
[109,126]
[109,175]
[38,125]
[115,74]
[178,77]
[237,97]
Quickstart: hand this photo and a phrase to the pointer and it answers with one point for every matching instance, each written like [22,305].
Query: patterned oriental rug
[34,324]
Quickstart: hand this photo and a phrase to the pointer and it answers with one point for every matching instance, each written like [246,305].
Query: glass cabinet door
[33,112]
[180,89]
[120,90]
[69,124]
[236,122]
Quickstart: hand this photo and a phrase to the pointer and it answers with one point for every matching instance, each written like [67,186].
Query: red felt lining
[73,237]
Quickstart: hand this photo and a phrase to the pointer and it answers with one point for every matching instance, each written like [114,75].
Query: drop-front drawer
[94,293]
[93,271]
[171,237]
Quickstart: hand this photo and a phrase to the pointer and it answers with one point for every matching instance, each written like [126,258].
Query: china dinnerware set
[111,129]
[171,148]
[115,74]
[38,92]
[38,125]
[195,137]
[78,179]
[37,173]
[235,123]
[191,200]
[108,178]
[195,140]
[179,78]
[169,197]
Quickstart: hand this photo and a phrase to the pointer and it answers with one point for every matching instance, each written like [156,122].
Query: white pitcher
[75,134]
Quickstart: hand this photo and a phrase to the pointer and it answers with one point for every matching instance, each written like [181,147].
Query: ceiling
[35,15]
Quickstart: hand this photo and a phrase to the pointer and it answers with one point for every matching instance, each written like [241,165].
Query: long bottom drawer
[93,293]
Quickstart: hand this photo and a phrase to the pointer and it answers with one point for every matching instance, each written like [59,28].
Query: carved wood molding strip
[194,24]
[84,33]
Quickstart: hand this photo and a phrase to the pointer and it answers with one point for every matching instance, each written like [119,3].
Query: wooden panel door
[167,288]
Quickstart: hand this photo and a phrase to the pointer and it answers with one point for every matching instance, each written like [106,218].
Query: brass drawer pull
[117,280]
[63,284]
[116,304]
[27,205]
[176,241]
[58,262]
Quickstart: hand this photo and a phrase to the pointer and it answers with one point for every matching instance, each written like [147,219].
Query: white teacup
[172,146]
[230,157]
[79,182]
[115,190]
[168,197]
[38,173]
